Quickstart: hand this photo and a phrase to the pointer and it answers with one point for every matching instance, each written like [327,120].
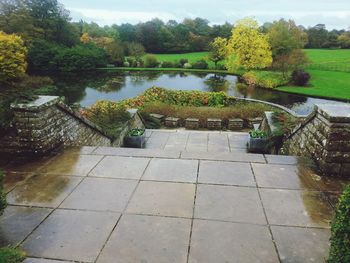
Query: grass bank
[326,84]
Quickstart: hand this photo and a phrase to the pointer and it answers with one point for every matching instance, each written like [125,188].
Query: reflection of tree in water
[138,77]
[217,83]
[72,86]
[113,84]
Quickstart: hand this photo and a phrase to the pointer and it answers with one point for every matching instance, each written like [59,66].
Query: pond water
[86,89]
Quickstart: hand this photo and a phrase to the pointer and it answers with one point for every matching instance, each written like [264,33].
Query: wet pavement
[177,201]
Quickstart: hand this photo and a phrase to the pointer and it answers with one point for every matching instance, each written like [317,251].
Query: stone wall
[325,137]
[47,123]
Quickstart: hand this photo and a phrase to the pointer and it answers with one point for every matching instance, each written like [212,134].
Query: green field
[329,68]
[192,57]
[328,84]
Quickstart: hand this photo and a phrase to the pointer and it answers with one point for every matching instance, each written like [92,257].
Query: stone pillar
[34,125]
[324,137]
[335,157]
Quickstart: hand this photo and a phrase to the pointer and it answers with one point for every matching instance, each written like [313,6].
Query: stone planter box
[192,123]
[252,121]
[135,141]
[235,124]
[214,124]
[258,145]
[157,116]
[172,122]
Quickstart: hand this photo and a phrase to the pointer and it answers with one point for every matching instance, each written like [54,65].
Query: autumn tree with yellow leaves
[12,56]
[248,48]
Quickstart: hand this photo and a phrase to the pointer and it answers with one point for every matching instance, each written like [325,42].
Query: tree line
[54,42]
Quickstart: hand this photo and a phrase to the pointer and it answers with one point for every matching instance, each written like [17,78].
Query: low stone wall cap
[40,102]
[336,113]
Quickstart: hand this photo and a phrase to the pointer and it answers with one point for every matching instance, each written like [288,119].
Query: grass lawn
[328,55]
[192,57]
[330,71]
[325,84]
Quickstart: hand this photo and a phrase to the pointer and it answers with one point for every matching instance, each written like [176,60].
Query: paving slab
[304,245]
[18,222]
[163,198]
[281,159]
[120,167]
[233,157]
[229,173]
[28,166]
[137,152]
[43,190]
[230,242]
[101,194]
[71,235]
[238,141]
[12,179]
[80,149]
[296,208]
[172,170]
[148,239]
[71,164]
[283,176]
[218,142]
[229,203]
[177,141]
[41,260]
[197,142]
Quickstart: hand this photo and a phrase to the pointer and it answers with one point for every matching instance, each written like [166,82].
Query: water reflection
[87,88]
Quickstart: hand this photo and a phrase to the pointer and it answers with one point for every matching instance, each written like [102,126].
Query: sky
[334,13]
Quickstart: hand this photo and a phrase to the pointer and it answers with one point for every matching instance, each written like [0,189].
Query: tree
[217,50]
[12,56]
[344,40]
[292,61]
[287,40]
[85,38]
[247,47]
[136,50]
[318,36]
[285,36]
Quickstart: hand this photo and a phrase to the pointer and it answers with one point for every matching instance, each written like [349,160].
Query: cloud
[107,17]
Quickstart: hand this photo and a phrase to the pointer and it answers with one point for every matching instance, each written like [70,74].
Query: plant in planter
[258,141]
[135,138]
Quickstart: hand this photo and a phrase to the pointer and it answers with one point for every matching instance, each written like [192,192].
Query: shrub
[12,56]
[11,255]
[109,116]
[131,61]
[151,61]
[126,64]
[200,64]
[300,77]
[44,56]
[177,64]
[340,230]
[183,61]
[187,66]
[2,194]
[264,79]
[167,64]
[80,57]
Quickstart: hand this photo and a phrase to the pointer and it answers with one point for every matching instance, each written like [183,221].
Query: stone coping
[38,104]
[335,113]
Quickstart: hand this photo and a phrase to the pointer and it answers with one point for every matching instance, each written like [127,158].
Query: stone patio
[192,197]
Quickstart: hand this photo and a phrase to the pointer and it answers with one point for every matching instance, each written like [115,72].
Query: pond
[88,88]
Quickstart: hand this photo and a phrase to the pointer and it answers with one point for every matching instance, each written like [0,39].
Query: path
[178,201]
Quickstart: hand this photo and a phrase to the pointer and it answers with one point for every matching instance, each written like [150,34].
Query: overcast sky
[333,13]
